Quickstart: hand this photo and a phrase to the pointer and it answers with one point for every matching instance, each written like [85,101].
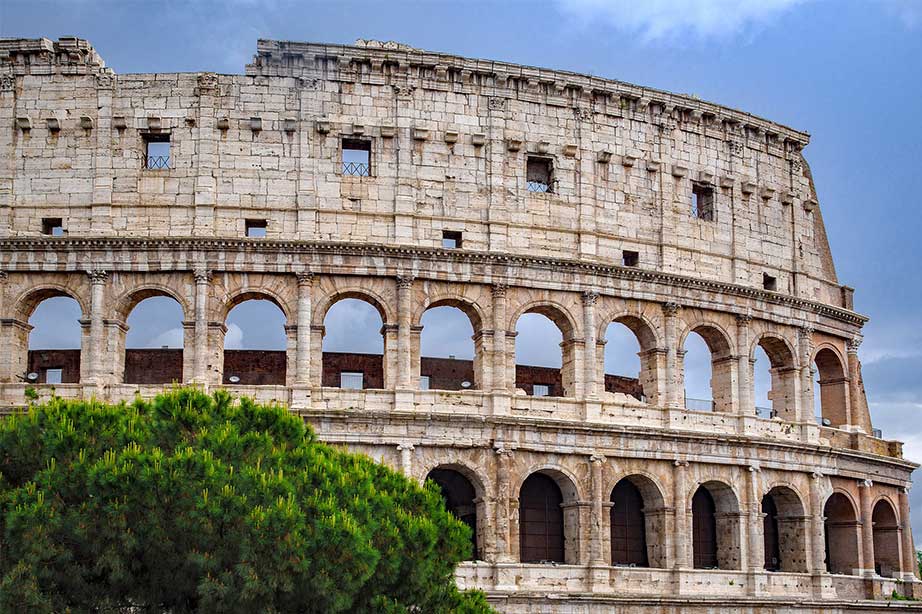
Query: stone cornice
[389,62]
[199,245]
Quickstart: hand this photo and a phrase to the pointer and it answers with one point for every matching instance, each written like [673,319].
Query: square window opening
[630,258]
[356,157]
[256,229]
[424,382]
[54,375]
[703,202]
[540,390]
[352,380]
[539,174]
[451,239]
[156,151]
[769,282]
[53,226]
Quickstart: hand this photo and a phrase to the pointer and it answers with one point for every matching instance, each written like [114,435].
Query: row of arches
[638,531]
[448,329]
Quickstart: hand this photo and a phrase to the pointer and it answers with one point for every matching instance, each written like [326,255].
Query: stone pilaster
[404,332]
[682,531]
[596,558]
[858,415]
[503,497]
[500,370]
[590,354]
[673,394]
[406,458]
[303,343]
[909,567]
[97,348]
[805,348]
[867,528]
[744,375]
[202,279]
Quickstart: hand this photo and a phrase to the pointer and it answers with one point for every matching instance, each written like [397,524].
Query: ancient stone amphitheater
[411,180]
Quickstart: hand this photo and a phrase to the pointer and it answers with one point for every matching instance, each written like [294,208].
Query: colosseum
[411,180]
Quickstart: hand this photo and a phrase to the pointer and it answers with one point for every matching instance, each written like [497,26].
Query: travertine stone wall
[449,139]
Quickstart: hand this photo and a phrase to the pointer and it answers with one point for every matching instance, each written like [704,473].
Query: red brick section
[265,367]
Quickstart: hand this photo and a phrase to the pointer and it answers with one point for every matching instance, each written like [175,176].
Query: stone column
[503,547]
[673,394]
[590,351]
[682,532]
[303,343]
[756,529]
[909,567]
[818,528]
[500,374]
[805,343]
[867,527]
[857,415]
[406,458]
[97,340]
[596,557]
[202,279]
[404,316]
[746,404]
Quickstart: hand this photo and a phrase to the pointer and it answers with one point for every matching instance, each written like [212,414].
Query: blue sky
[848,72]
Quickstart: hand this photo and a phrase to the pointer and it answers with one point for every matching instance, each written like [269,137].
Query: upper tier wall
[449,141]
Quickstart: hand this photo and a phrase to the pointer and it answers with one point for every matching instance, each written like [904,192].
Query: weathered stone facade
[610,236]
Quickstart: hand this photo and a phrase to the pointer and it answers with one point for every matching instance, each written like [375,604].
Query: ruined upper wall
[449,137]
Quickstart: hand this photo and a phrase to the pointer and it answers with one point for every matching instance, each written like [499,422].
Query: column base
[404,399]
[599,577]
[501,403]
[300,396]
[504,574]
[822,586]
[592,410]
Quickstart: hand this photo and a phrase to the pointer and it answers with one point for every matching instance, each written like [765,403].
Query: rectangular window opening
[156,151]
[352,380]
[54,375]
[539,174]
[630,258]
[540,390]
[357,157]
[769,282]
[451,239]
[703,202]
[53,226]
[256,229]
[424,382]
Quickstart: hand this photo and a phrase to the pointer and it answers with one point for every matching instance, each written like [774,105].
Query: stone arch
[377,370]
[652,359]
[548,524]
[842,534]
[450,376]
[66,365]
[560,316]
[886,531]
[255,294]
[720,346]
[833,382]
[128,300]
[638,533]
[148,365]
[783,371]
[469,307]
[26,302]
[324,303]
[716,526]
[464,497]
[784,525]
[253,367]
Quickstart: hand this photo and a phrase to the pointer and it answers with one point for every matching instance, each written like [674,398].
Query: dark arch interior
[541,535]
[704,530]
[841,535]
[459,496]
[154,342]
[770,534]
[628,526]
[255,342]
[886,539]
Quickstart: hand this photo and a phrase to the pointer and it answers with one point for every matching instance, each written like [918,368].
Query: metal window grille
[357,169]
[157,162]
[537,186]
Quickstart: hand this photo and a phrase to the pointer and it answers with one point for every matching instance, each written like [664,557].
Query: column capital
[743,319]
[805,332]
[816,475]
[753,469]
[590,297]
[201,275]
[680,463]
[4,276]
[597,459]
[97,276]
[671,308]
[853,344]
[501,452]
[305,278]
[405,282]
[405,446]
[865,483]
[499,290]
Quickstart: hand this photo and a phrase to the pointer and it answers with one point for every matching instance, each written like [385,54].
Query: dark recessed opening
[451,239]
[769,282]
[630,258]
[539,174]
[256,229]
[703,202]
[53,226]
[156,151]
[357,157]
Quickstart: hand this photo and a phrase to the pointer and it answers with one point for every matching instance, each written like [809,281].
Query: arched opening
[460,499]
[773,364]
[541,521]
[54,342]
[255,343]
[842,538]
[628,526]
[784,531]
[544,357]
[705,365]
[154,342]
[715,527]
[354,345]
[831,389]
[449,359]
[886,540]
[630,364]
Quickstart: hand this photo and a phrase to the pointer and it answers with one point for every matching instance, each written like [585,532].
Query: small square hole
[256,229]
[630,258]
[703,202]
[53,226]
[539,174]
[357,157]
[451,239]
[769,282]
[156,151]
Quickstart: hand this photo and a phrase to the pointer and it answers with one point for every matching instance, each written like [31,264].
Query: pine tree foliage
[196,503]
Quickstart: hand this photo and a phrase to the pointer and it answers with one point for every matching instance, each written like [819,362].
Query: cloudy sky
[848,72]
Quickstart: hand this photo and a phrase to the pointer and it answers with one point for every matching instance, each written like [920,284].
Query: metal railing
[767,413]
[537,186]
[699,404]
[357,169]
[153,163]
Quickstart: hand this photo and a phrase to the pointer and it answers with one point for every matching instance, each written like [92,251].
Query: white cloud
[656,20]
[233,339]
